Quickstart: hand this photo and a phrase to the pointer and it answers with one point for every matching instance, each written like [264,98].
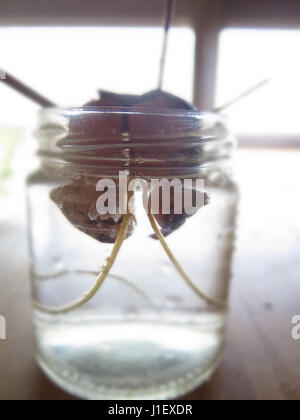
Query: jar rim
[132,110]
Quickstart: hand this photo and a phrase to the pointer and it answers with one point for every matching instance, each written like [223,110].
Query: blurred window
[247,56]
[69,65]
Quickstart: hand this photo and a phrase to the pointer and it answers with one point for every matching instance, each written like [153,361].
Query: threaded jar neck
[101,141]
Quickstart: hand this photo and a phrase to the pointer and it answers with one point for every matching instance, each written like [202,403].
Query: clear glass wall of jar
[155,328]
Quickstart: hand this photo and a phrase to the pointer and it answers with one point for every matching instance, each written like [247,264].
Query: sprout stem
[169,9]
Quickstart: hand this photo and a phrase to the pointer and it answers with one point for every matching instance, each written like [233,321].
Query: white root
[184,275]
[104,273]
[109,264]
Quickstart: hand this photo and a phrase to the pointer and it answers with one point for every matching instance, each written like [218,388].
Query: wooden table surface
[261,360]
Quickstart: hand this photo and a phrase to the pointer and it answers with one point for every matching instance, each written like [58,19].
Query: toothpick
[20,87]
[242,96]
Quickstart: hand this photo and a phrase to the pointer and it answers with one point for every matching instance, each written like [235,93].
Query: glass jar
[155,328]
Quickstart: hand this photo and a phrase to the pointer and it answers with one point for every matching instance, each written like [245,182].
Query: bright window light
[247,56]
[68,65]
